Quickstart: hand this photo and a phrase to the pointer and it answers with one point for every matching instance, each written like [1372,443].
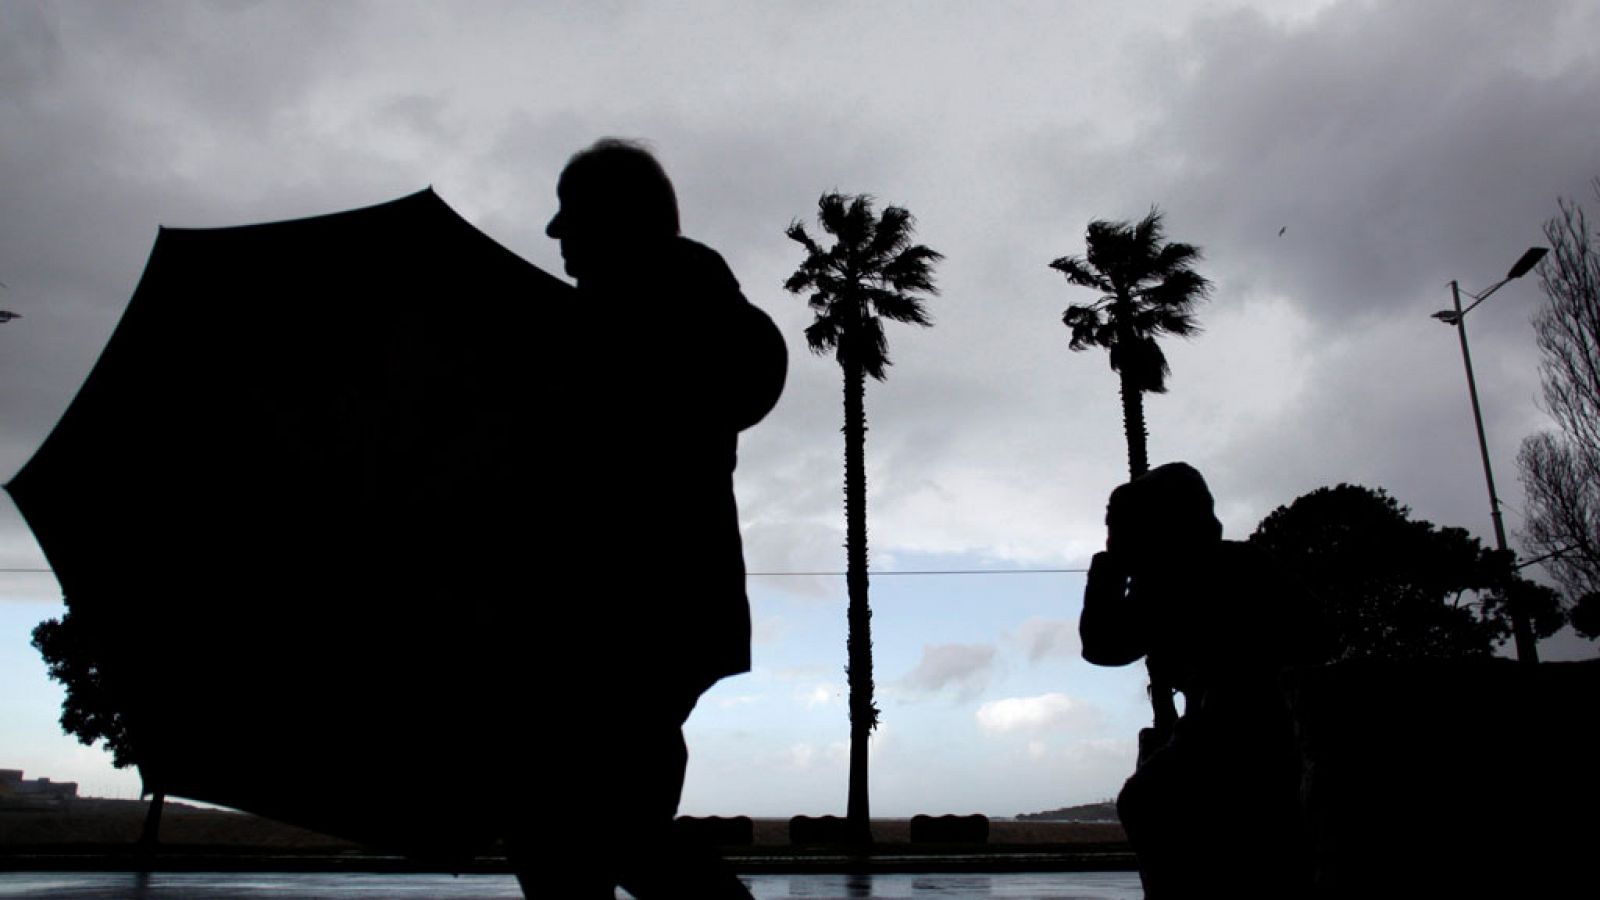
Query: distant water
[238,886]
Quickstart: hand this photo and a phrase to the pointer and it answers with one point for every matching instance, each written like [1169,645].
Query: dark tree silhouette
[1394,587]
[872,272]
[1561,471]
[89,711]
[1147,289]
[1585,616]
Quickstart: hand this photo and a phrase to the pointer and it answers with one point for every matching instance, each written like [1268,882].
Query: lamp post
[1527,647]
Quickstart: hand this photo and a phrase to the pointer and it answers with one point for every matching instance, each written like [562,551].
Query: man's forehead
[584,191]
[567,187]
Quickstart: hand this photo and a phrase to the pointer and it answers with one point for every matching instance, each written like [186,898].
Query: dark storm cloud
[1393,156]
[1390,148]
[1395,147]
[119,118]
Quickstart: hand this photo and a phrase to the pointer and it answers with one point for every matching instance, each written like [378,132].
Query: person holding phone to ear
[1218,622]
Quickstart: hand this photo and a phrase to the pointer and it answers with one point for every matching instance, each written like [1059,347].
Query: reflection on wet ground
[293,886]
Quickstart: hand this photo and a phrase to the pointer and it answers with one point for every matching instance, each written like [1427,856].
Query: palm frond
[1149,289]
[797,232]
[897,307]
[1181,289]
[1142,361]
[871,272]
[856,225]
[1170,321]
[911,270]
[822,335]
[1080,273]
[831,212]
[1086,324]
[872,348]
[1147,235]
[1106,248]
[1173,258]
[891,234]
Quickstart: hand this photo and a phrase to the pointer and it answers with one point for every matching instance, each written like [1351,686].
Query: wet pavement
[336,886]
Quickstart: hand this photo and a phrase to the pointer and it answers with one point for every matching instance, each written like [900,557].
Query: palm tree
[1147,288]
[872,272]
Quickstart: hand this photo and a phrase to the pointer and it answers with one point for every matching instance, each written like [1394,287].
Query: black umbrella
[290,502]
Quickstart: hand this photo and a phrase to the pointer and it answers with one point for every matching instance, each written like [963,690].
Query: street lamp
[1527,648]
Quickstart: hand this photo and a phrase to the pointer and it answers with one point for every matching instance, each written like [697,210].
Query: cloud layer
[1395,147]
[962,669]
[1035,715]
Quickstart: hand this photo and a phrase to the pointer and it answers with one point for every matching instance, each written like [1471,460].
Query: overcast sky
[1338,162]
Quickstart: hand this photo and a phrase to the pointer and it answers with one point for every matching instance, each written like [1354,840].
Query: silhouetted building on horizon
[16,791]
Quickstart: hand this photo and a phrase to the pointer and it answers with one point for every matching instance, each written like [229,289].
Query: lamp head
[1448,316]
[1526,263]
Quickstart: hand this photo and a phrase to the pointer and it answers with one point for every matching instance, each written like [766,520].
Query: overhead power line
[931,572]
[818,574]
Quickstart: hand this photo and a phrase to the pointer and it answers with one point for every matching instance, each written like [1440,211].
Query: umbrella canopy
[291,503]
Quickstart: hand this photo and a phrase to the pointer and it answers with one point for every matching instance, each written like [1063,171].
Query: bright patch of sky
[948,651]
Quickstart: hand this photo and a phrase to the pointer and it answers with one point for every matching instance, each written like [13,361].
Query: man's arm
[760,364]
[744,357]
[1110,627]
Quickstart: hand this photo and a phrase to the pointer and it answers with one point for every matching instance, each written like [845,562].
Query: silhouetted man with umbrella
[662,362]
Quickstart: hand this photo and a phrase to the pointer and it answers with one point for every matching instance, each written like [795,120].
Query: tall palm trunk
[863,712]
[1164,710]
[1133,427]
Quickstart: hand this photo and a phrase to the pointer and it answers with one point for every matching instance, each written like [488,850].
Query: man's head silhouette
[616,205]
[1163,515]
